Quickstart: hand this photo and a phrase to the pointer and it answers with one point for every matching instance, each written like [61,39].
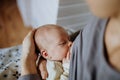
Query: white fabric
[54,70]
[65,74]
[57,70]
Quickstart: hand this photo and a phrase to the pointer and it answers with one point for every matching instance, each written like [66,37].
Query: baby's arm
[43,69]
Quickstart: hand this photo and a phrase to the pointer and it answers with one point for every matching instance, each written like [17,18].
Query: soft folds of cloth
[65,74]
[54,70]
[57,70]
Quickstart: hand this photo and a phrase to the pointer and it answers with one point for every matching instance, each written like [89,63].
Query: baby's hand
[43,69]
[67,59]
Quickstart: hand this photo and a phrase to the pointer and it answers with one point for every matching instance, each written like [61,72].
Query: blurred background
[12,28]
[18,17]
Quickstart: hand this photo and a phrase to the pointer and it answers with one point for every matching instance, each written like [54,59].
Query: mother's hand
[29,57]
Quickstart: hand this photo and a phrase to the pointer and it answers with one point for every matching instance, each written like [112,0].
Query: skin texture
[28,59]
[112,41]
[104,8]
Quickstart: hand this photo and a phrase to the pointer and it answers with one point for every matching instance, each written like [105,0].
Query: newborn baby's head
[52,41]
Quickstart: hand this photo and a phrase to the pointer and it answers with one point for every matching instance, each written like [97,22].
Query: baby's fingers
[68,55]
[44,75]
[43,69]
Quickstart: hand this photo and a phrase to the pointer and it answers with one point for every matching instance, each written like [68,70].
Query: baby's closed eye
[63,43]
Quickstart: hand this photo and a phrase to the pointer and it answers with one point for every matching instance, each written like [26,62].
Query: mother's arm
[28,59]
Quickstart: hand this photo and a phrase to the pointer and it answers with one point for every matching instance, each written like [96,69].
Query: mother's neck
[115,19]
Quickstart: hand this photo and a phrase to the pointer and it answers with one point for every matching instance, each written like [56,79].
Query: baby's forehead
[50,30]
[45,36]
[45,33]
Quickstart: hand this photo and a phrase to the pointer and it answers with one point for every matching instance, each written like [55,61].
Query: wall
[71,14]
[38,12]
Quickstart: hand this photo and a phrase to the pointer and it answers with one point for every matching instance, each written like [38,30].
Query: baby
[54,45]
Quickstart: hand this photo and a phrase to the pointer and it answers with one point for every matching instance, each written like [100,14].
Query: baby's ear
[44,54]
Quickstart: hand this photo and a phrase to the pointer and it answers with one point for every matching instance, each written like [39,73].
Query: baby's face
[59,46]
[54,43]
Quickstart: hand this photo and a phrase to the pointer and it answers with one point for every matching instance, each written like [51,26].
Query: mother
[96,50]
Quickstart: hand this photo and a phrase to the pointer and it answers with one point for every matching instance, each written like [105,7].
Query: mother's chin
[104,8]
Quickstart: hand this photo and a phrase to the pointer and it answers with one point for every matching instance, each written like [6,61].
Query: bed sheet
[10,63]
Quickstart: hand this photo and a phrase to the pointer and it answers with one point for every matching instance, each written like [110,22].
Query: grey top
[88,58]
